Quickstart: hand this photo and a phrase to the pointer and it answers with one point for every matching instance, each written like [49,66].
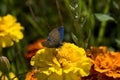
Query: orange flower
[94,51]
[109,64]
[37,45]
[30,75]
[33,48]
[106,64]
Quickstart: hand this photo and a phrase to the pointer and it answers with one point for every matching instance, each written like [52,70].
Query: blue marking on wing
[49,39]
[61,31]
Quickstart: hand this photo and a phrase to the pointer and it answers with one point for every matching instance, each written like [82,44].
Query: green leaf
[116,5]
[104,17]
[75,39]
[117,41]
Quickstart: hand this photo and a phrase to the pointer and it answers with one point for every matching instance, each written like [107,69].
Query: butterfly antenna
[59,12]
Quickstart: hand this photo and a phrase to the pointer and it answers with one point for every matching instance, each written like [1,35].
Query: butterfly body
[55,38]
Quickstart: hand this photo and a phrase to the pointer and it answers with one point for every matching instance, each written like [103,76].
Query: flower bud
[4,64]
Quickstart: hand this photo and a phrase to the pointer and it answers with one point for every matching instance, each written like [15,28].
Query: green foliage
[104,17]
[87,20]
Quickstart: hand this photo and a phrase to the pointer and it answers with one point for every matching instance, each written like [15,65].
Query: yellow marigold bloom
[11,76]
[67,62]
[107,62]
[10,30]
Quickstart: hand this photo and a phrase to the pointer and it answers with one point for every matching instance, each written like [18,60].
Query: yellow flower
[10,31]
[67,62]
[11,76]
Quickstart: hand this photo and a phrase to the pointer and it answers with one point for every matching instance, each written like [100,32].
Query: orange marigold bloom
[94,51]
[37,45]
[108,63]
[33,48]
[30,75]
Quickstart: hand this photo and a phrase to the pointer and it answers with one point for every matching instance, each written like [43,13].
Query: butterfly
[55,38]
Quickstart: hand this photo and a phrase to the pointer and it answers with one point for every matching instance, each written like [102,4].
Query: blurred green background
[86,22]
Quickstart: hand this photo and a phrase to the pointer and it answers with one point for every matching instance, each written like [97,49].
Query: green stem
[101,32]
[1,51]
[103,24]
[8,76]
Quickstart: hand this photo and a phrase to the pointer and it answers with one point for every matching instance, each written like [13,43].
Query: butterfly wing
[53,39]
[54,35]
